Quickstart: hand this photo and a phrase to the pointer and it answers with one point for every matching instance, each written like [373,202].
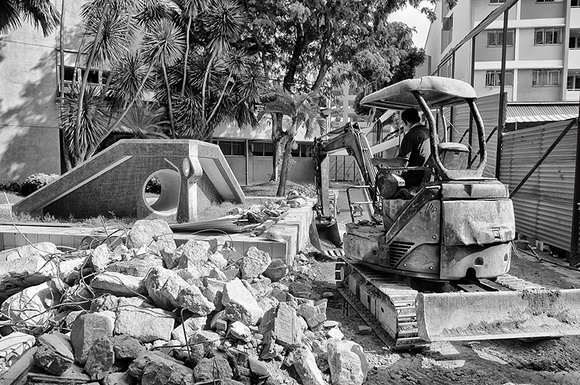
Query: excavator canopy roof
[435,90]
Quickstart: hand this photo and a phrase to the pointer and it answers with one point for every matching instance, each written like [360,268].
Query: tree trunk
[186,54]
[169,104]
[285,167]
[277,136]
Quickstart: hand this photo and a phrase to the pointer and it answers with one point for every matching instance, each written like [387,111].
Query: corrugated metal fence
[544,205]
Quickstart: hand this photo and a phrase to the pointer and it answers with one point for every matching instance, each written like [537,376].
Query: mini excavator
[434,266]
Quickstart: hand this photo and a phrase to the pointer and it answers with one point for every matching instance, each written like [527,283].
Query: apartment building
[542,49]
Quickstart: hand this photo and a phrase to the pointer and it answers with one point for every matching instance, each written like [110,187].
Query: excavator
[433,266]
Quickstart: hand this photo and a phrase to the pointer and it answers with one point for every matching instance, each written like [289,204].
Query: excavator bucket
[532,313]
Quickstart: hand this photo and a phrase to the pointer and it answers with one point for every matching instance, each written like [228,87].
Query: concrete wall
[533,10]
[527,92]
[29,135]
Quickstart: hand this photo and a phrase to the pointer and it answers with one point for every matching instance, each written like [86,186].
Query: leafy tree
[41,13]
[307,46]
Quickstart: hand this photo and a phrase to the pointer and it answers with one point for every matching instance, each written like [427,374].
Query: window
[493,78]
[495,37]
[575,3]
[548,36]
[544,1]
[573,83]
[574,42]
[262,149]
[229,147]
[496,1]
[545,78]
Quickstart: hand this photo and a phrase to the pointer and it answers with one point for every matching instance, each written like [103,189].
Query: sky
[414,18]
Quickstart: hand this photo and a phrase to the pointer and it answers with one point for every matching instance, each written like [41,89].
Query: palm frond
[163,41]
[127,77]
[224,21]
[40,13]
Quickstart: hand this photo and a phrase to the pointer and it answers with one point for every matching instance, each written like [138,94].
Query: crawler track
[389,306]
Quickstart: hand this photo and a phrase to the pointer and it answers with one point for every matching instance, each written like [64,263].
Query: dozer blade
[498,315]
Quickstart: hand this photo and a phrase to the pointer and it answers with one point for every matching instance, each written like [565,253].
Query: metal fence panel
[543,206]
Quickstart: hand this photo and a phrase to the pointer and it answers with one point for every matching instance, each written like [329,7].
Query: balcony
[572,96]
[575,17]
[574,59]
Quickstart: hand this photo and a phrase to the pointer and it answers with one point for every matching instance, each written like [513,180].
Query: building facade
[542,48]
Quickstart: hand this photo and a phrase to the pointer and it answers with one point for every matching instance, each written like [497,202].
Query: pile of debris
[150,312]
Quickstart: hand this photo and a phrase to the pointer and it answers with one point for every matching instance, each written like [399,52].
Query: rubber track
[402,298]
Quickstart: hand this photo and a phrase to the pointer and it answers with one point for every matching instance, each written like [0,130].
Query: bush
[11,187]
[35,182]
[153,186]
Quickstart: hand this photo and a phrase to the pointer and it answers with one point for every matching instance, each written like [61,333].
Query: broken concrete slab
[305,366]
[282,325]
[240,304]
[137,267]
[313,312]
[347,362]
[155,235]
[100,358]
[118,284]
[87,329]
[54,353]
[119,378]
[34,307]
[254,263]
[127,347]
[192,254]
[189,327]
[212,369]
[145,324]
[153,368]
[13,346]
[240,331]
[101,257]
[27,266]
[168,291]
[276,270]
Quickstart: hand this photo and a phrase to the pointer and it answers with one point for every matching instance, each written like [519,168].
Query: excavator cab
[436,268]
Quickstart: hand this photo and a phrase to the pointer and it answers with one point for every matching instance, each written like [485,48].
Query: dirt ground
[516,361]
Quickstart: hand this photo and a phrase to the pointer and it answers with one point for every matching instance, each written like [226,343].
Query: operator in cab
[415,148]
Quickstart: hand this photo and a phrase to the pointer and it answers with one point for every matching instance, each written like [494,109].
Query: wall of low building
[29,135]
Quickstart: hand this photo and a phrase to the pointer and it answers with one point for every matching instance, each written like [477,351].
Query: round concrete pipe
[168,200]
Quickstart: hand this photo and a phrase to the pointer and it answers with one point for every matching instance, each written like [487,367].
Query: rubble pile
[149,312]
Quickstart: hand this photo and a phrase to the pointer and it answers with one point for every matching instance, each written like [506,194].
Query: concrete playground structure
[192,175]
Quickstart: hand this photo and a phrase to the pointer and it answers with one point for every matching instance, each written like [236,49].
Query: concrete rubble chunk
[153,234]
[13,346]
[262,287]
[347,362]
[189,327]
[313,313]
[258,368]
[282,325]
[192,253]
[334,333]
[240,304]
[87,329]
[159,369]
[69,269]
[137,267]
[209,369]
[145,324]
[300,290]
[101,257]
[27,266]
[276,270]
[54,353]
[213,291]
[34,306]
[240,331]
[305,366]
[206,337]
[168,291]
[127,347]
[100,358]
[118,284]
[119,378]
[254,263]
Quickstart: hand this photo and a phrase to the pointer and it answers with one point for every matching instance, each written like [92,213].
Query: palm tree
[42,13]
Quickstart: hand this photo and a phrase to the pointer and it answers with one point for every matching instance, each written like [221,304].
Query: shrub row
[31,184]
